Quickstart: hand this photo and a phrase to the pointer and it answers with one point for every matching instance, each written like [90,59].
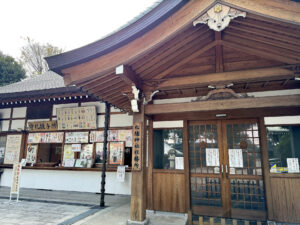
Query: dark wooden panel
[168,192]
[285,199]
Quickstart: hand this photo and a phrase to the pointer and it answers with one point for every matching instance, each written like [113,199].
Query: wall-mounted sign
[31,153]
[12,150]
[137,147]
[116,153]
[42,125]
[121,173]
[97,136]
[77,137]
[76,118]
[51,137]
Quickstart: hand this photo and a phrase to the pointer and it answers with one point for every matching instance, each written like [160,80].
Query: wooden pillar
[266,167]
[138,182]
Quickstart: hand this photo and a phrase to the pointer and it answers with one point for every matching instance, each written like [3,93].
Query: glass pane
[247,194]
[168,149]
[203,141]
[2,148]
[243,149]
[284,148]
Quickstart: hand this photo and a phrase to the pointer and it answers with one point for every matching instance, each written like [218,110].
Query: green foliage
[33,54]
[10,70]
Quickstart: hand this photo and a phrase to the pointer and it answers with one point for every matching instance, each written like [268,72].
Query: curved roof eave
[136,28]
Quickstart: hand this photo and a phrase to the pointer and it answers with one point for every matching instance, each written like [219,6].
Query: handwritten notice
[293,165]
[31,153]
[212,157]
[179,165]
[77,137]
[13,147]
[76,118]
[235,158]
[97,136]
[121,173]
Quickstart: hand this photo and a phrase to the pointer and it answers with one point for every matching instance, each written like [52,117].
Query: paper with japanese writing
[179,164]
[31,153]
[97,136]
[87,152]
[77,137]
[293,165]
[47,137]
[16,178]
[68,154]
[212,157]
[76,118]
[12,149]
[235,158]
[116,152]
[121,173]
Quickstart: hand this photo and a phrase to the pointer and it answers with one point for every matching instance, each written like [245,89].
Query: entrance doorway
[226,170]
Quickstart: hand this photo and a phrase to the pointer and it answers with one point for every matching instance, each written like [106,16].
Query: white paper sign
[293,165]
[179,165]
[235,158]
[76,147]
[212,157]
[121,174]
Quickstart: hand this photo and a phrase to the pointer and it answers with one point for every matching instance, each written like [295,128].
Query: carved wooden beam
[128,75]
[229,104]
[203,80]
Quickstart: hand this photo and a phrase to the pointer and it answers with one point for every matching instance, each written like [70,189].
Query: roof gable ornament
[219,16]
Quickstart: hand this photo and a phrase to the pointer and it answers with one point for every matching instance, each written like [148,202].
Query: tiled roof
[48,80]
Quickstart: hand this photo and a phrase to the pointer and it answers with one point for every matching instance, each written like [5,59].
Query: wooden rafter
[176,55]
[252,50]
[186,59]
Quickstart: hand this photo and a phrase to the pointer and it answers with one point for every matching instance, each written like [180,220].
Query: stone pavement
[37,213]
[43,207]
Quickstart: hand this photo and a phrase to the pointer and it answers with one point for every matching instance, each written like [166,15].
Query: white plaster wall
[121,120]
[5,113]
[100,107]
[17,124]
[4,125]
[113,109]
[281,120]
[168,124]
[100,121]
[19,112]
[84,181]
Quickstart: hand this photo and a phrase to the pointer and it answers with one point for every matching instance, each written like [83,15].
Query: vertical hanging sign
[137,147]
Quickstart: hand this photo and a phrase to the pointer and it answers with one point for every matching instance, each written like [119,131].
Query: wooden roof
[257,53]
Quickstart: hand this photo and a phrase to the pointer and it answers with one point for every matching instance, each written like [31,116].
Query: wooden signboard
[12,149]
[42,126]
[76,118]
[137,147]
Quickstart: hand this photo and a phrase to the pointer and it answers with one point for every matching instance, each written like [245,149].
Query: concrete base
[131,222]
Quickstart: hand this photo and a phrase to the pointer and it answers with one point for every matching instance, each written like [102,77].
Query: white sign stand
[15,187]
